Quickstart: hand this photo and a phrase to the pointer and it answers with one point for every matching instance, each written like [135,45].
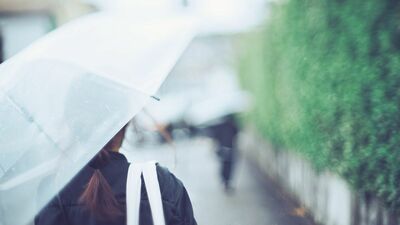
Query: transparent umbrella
[65,96]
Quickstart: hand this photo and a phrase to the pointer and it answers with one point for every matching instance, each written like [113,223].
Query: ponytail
[98,196]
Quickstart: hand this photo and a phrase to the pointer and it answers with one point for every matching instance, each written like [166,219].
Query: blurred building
[24,21]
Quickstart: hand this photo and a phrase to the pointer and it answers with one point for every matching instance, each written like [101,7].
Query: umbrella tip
[156,98]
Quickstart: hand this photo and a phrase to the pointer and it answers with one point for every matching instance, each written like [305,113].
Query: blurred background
[278,112]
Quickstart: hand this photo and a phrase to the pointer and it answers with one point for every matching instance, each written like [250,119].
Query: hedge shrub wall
[326,79]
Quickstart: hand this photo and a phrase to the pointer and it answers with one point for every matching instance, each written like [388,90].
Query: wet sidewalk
[254,201]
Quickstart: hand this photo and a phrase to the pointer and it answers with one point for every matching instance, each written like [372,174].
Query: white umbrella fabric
[65,96]
[221,96]
[213,108]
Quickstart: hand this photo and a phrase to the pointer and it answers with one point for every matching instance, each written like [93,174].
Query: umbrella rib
[31,119]
[43,169]
[95,72]
[37,171]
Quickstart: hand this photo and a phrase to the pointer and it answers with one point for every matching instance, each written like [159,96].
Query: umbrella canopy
[221,96]
[65,96]
[213,109]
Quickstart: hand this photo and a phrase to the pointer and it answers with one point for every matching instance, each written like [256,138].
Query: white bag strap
[154,193]
[133,192]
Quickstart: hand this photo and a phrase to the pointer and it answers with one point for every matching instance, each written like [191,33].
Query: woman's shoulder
[175,195]
[171,187]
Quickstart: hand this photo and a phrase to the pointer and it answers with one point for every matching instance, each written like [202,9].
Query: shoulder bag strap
[133,189]
[153,192]
[133,193]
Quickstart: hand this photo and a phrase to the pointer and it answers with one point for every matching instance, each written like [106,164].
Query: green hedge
[326,79]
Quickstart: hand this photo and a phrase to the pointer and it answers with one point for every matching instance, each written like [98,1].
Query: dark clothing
[175,199]
[225,134]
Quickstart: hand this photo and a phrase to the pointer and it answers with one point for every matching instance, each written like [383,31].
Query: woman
[96,196]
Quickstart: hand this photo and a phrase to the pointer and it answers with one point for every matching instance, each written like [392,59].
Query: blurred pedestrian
[225,133]
[97,195]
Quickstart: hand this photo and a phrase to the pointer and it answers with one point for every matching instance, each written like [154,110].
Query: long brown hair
[98,196]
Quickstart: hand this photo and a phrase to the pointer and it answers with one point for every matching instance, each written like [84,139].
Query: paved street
[254,201]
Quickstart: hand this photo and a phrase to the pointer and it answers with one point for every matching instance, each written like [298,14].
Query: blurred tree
[326,76]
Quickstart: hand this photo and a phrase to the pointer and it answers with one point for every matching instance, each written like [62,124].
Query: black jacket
[175,199]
